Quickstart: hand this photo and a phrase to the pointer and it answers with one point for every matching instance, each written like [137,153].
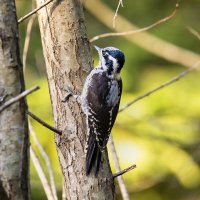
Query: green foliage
[160,134]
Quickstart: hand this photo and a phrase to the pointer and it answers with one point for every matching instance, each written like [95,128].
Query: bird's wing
[103,104]
[101,116]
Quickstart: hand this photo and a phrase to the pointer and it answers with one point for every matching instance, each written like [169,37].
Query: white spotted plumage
[100,100]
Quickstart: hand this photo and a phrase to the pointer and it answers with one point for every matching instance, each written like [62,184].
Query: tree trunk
[14,140]
[68,60]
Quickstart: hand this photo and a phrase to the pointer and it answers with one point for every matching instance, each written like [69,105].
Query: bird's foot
[70,93]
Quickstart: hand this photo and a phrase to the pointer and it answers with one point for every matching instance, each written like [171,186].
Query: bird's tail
[93,156]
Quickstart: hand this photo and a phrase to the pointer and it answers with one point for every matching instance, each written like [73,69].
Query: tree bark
[14,139]
[68,60]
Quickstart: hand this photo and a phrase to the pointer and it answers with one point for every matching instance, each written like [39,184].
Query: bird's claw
[69,92]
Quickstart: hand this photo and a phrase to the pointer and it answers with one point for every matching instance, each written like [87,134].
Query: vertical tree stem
[68,60]
[120,179]
[14,139]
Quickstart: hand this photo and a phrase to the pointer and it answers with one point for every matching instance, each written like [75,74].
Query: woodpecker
[100,100]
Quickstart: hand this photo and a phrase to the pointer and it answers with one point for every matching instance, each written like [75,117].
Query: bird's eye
[104,53]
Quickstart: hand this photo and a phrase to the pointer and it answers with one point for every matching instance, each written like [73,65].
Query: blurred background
[160,133]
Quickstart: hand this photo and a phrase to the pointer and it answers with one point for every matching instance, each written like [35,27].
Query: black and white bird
[100,100]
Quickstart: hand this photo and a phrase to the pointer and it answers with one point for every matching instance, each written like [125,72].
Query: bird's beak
[97,48]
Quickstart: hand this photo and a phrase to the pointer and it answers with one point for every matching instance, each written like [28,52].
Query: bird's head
[111,59]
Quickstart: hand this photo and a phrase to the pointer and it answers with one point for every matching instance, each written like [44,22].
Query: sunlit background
[160,133]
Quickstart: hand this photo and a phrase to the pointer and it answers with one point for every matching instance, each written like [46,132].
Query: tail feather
[93,156]
[97,162]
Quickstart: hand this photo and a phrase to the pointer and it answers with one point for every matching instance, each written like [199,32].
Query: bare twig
[64,196]
[17,98]
[120,179]
[41,175]
[116,12]
[138,30]
[167,83]
[46,158]
[194,32]
[59,132]
[124,171]
[27,41]
[145,40]
[33,11]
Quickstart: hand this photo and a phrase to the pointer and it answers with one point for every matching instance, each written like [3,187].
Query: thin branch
[124,171]
[138,30]
[194,32]
[116,12]
[41,174]
[64,196]
[167,83]
[33,11]
[120,179]
[145,40]
[17,98]
[27,41]
[59,132]
[47,161]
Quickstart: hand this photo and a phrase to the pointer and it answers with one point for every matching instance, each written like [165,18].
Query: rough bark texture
[14,159]
[68,60]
